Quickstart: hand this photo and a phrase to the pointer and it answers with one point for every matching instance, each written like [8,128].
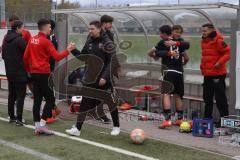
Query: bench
[189,101]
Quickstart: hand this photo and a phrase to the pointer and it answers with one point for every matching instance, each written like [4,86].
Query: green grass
[68,149]
[10,154]
[137,53]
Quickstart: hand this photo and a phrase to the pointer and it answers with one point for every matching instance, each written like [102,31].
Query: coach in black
[97,54]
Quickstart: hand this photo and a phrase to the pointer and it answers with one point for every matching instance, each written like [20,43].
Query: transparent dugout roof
[140,25]
[148,21]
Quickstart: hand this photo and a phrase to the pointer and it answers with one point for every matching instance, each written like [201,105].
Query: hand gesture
[173,53]
[151,52]
[102,82]
[71,46]
[170,43]
[217,65]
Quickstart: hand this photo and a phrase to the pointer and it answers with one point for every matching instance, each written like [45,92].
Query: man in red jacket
[215,54]
[36,59]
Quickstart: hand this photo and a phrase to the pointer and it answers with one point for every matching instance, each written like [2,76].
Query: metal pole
[238,21]
[96,3]
[238,15]
[53,7]
[233,64]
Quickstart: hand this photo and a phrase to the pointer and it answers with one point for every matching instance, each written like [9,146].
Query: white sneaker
[73,131]
[115,131]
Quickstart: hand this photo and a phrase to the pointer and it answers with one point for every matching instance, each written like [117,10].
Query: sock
[42,123]
[78,126]
[167,114]
[37,124]
[179,114]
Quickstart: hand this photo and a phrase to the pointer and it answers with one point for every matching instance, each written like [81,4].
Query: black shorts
[176,79]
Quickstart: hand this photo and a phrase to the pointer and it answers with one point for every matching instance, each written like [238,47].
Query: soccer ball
[185,127]
[137,136]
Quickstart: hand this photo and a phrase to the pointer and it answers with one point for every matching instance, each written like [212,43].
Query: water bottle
[200,129]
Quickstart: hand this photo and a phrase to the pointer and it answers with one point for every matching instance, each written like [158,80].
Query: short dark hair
[208,25]
[106,18]
[16,24]
[177,27]
[42,22]
[53,24]
[166,29]
[96,24]
[13,18]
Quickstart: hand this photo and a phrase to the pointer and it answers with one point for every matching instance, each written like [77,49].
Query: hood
[11,35]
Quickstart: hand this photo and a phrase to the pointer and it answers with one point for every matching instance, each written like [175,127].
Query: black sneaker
[105,120]
[20,123]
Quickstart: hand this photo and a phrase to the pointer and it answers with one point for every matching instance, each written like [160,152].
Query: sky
[117,2]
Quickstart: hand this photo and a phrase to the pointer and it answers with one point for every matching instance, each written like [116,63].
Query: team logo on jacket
[35,41]
[90,47]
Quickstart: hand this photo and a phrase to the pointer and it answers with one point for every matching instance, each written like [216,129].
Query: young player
[36,59]
[170,52]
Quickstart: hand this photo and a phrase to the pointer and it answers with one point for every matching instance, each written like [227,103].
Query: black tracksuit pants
[88,105]
[16,93]
[41,89]
[215,86]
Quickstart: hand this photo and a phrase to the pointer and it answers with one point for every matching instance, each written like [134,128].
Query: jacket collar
[214,36]
[42,34]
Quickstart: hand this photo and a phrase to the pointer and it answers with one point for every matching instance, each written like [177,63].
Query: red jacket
[26,35]
[214,50]
[38,52]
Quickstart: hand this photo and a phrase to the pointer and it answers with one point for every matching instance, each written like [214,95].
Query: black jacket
[97,54]
[12,52]
[171,62]
[110,35]
[53,39]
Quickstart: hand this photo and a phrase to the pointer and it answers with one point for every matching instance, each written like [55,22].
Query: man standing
[215,54]
[25,33]
[106,26]
[171,53]
[178,81]
[99,50]
[26,36]
[36,59]
[53,39]
[12,52]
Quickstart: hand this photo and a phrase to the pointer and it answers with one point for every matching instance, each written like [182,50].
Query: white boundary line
[163,140]
[107,147]
[236,157]
[27,150]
